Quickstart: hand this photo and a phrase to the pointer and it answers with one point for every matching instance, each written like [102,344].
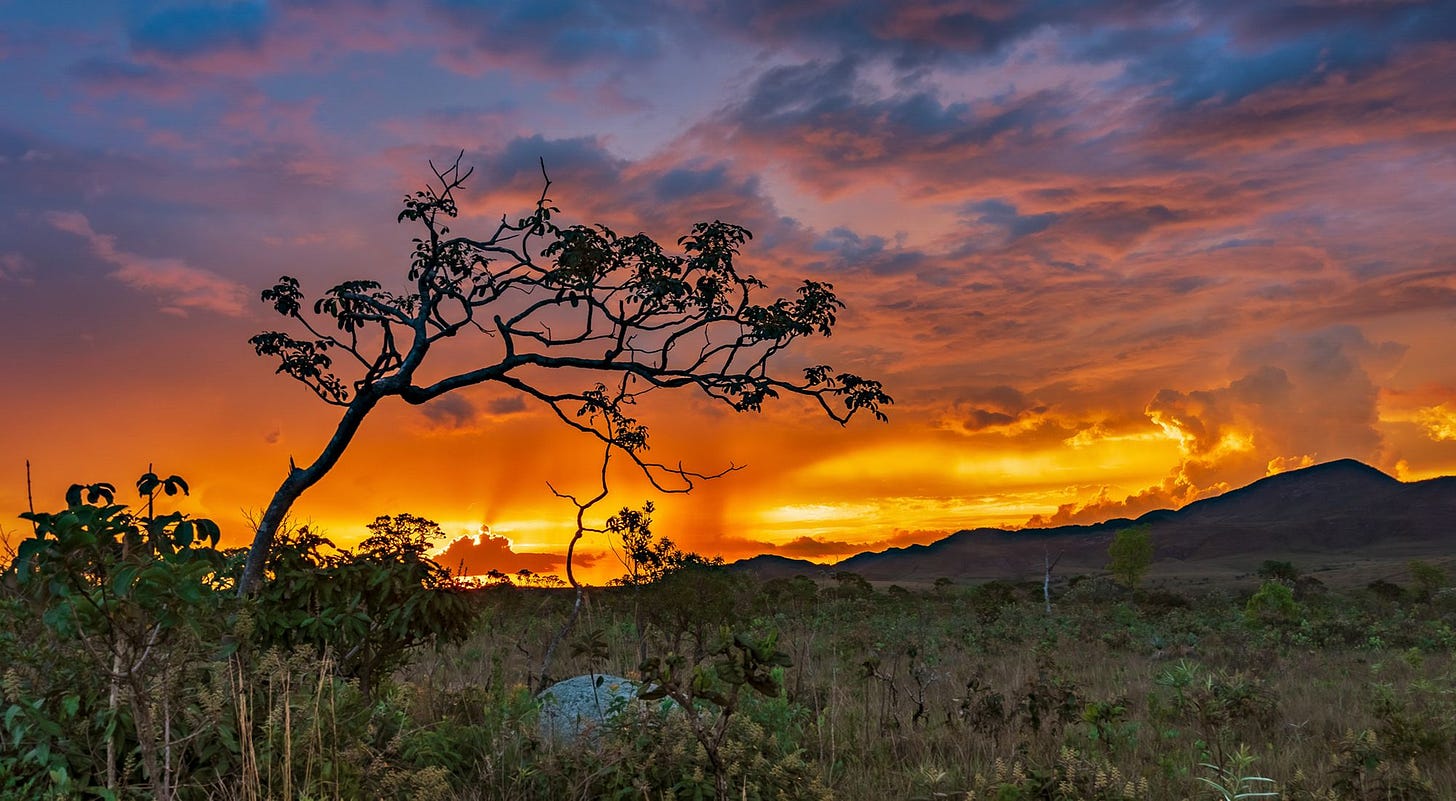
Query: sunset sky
[1107,256]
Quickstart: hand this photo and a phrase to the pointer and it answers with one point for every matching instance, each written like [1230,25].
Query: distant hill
[774,566]
[1341,508]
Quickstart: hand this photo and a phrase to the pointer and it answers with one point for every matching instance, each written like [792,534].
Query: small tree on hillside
[579,319]
[1130,555]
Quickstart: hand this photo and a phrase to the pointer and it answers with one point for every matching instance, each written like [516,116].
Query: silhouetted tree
[580,319]
[647,557]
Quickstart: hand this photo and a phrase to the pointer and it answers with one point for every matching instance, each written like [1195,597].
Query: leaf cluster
[119,604]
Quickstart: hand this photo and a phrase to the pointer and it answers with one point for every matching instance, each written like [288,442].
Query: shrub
[1273,604]
[113,617]
[1094,590]
[1365,770]
[367,608]
[1426,579]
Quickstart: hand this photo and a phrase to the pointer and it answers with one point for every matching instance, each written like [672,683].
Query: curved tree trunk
[293,486]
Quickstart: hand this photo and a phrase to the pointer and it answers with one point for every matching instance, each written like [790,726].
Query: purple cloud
[178,286]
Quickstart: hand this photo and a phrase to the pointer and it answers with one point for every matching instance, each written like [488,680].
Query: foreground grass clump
[129,669]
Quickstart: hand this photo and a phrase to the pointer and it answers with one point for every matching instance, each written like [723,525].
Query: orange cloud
[476,556]
[1314,400]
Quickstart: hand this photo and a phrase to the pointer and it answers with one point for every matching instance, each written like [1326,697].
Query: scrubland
[131,670]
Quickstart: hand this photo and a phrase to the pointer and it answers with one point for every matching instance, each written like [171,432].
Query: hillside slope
[1341,508]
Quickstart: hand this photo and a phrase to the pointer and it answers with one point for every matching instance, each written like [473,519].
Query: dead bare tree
[596,309]
[1046,581]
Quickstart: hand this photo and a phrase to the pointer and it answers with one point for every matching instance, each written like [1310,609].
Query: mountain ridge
[1341,507]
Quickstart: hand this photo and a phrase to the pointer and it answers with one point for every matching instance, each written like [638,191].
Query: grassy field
[978,692]
[1194,687]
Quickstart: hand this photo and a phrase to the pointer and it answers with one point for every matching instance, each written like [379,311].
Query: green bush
[112,618]
[368,608]
[131,669]
[1130,555]
[1272,605]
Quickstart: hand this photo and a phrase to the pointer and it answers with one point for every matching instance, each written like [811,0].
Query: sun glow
[1439,422]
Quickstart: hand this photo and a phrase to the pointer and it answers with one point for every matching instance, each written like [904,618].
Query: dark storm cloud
[1003,409]
[853,252]
[1402,100]
[510,404]
[1354,33]
[1120,224]
[1218,53]
[662,196]
[835,131]
[681,183]
[826,102]
[1189,78]
[911,35]
[1192,52]
[809,547]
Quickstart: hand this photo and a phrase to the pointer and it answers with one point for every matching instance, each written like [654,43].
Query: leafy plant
[366,608]
[1233,782]
[1273,604]
[128,606]
[1426,579]
[1107,725]
[708,680]
[1216,704]
[1276,570]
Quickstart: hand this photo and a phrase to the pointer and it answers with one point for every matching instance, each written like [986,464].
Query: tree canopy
[1130,555]
[578,318]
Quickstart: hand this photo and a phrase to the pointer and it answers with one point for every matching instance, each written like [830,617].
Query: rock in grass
[579,705]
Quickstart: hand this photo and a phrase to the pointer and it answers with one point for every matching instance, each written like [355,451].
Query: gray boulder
[580,705]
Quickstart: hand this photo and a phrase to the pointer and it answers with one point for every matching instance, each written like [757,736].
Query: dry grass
[886,688]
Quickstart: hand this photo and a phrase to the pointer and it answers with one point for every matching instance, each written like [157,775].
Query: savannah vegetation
[132,669]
